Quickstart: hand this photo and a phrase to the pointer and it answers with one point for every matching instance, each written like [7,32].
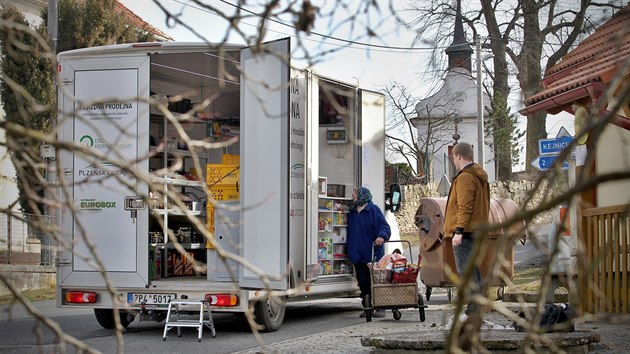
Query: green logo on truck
[93,204]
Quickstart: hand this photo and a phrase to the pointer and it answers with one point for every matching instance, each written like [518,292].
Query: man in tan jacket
[468,206]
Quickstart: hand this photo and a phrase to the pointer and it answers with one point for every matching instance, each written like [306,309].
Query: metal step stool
[203,306]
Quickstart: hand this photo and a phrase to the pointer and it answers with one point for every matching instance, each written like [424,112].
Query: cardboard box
[336,190]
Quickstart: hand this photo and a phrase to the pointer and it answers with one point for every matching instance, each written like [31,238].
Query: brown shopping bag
[381,275]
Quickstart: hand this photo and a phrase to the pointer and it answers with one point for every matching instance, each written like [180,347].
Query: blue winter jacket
[363,229]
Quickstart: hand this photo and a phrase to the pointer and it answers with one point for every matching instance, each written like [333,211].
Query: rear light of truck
[80,297]
[222,299]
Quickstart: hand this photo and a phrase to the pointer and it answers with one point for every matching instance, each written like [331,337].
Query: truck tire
[105,317]
[270,313]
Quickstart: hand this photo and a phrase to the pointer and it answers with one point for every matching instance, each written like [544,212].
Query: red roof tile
[597,59]
[140,24]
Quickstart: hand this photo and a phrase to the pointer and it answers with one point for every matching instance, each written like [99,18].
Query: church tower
[459,52]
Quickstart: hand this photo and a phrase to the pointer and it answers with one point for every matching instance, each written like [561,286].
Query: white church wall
[468,133]
[457,99]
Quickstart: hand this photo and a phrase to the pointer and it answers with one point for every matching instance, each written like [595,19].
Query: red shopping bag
[409,275]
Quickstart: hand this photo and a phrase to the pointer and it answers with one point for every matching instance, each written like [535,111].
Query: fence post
[9,240]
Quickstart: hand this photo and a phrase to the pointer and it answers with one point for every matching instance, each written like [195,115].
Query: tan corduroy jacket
[468,201]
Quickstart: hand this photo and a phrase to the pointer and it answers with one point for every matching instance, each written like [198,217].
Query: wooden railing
[604,262]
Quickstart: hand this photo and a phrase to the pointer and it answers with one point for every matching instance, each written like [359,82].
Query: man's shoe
[380,313]
[449,323]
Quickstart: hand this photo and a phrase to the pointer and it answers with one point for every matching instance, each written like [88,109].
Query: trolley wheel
[397,314]
[428,292]
[423,316]
[500,293]
[368,312]
[450,294]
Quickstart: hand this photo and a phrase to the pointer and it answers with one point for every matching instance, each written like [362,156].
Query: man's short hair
[464,150]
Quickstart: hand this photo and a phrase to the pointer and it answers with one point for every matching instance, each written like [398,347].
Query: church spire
[459,52]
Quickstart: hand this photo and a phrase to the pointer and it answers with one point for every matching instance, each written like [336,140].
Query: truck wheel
[105,317]
[270,313]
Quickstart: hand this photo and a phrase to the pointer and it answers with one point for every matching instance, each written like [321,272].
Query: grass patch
[31,295]
[528,279]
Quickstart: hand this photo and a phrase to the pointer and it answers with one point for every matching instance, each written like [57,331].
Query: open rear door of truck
[264,161]
[372,164]
[100,111]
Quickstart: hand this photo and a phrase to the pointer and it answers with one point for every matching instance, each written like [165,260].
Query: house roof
[140,24]
[582,74]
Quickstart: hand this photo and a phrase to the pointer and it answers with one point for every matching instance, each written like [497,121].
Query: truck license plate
[149,299]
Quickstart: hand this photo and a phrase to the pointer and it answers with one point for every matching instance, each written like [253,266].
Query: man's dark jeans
[462,255]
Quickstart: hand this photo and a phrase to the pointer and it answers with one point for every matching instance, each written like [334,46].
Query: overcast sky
[371,65]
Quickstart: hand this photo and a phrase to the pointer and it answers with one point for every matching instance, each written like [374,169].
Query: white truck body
[103,100]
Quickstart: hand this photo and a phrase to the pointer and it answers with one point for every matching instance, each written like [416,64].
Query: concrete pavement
[614,337]
[611,337]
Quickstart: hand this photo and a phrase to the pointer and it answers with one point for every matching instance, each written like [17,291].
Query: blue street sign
[544,163]
[553,146]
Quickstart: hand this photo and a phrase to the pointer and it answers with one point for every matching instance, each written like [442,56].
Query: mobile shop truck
[304,141]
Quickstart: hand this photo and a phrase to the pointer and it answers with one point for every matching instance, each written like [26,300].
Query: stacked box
[325,267]
[226,193]
[228,159]
[324,248]
[221,175]
[180,265]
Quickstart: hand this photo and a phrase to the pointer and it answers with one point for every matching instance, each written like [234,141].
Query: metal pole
[480,141]
[573,220]
[53,33]
[53,27]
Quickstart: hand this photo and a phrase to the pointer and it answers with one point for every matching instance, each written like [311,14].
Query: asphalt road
[20,334]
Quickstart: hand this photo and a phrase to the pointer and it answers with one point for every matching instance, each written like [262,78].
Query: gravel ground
[540,261]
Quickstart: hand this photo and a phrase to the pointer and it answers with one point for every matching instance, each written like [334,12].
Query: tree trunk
[502,147]
[530,74]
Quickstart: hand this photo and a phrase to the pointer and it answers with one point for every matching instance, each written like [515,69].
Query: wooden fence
[604,268]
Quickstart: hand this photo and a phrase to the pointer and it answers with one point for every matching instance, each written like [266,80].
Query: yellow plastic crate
[224,175]
[210,218]
[210,223]
[228,159]
[226,193]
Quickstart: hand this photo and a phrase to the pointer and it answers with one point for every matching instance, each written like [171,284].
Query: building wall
[613,155]
[8,184]
[518,191]
[27,277]
[8,187]
[31,9]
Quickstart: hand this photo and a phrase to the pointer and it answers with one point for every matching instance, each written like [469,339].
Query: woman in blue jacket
[366,227]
